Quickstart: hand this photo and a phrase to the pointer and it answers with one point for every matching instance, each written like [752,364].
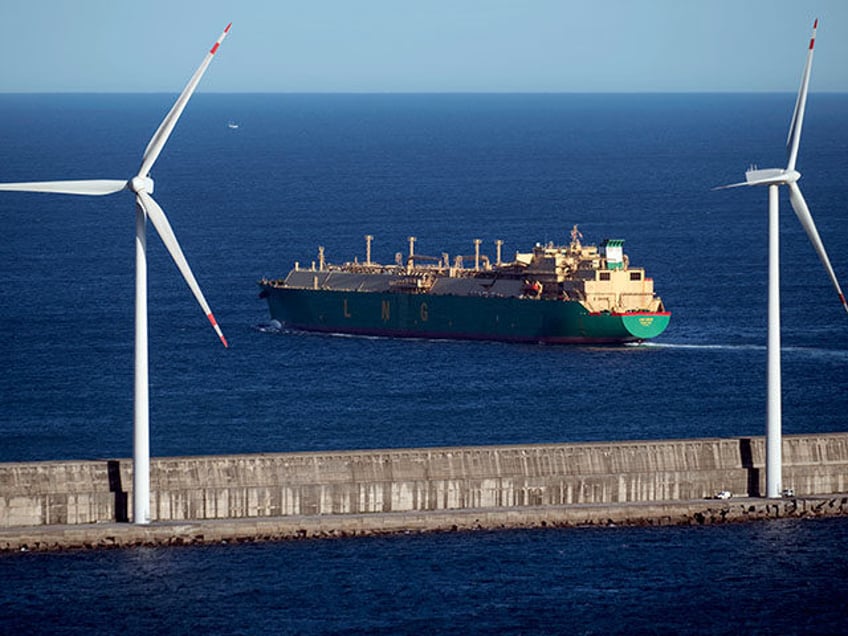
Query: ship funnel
[613,251]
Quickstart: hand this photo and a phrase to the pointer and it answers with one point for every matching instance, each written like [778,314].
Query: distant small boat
[232,125]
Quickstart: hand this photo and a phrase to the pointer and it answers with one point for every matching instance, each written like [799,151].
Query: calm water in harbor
[302,171]
[775,577]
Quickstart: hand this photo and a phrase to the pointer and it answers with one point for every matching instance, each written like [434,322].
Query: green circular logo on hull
[645,326]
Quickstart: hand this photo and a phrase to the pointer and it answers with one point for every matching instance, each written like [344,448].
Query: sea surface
[301,171]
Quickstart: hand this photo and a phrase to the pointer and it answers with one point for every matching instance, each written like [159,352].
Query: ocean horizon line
[429,93]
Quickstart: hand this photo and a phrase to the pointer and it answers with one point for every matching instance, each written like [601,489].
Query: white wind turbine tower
[773,178]
[146,208]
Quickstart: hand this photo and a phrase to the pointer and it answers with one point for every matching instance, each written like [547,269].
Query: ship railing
[636,299]
[421,281]
[622,302]
[272,282]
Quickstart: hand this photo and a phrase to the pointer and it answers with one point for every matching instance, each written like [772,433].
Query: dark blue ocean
[307,170]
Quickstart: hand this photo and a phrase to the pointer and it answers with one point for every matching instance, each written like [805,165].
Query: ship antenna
[575,237]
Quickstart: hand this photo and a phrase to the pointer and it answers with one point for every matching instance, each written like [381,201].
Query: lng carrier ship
[554,294]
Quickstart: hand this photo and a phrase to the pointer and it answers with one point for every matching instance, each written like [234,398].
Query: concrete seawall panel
[415,480]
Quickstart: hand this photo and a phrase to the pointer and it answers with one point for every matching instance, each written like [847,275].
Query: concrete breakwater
[424,480]
[218,531]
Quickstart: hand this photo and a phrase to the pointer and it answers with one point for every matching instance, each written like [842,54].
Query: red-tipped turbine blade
[794,137]
[157,142]
[806,219]
[163,227]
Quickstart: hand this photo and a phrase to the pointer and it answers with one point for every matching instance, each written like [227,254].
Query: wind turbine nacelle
[769,176]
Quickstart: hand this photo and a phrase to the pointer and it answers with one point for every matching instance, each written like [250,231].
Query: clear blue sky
[422,46]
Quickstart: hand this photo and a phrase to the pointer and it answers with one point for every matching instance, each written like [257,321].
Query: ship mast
[368,239]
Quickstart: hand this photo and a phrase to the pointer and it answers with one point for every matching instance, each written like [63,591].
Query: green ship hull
[411,315]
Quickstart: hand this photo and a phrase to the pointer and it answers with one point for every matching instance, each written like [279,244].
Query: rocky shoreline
[248,530]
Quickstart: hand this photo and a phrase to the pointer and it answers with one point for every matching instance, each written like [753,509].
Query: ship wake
[815,352]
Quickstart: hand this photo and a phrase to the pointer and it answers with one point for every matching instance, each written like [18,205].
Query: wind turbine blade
[806,219]
[794,137]
[92,187]
[731,185]
[157,142]
[163,227]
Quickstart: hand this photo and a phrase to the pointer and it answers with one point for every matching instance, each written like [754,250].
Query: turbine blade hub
[141,184]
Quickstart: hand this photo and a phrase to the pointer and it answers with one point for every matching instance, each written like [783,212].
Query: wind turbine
[774,178]
[146,208]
